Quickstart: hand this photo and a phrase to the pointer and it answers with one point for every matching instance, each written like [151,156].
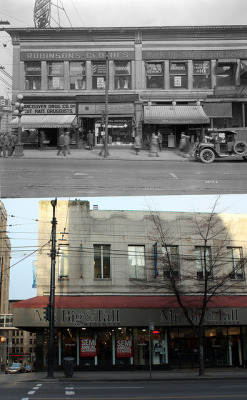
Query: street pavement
[134,376]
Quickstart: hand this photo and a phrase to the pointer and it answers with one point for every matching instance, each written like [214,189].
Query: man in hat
[61,147]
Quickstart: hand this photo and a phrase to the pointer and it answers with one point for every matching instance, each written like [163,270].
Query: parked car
[220,144]
[14,368]
[28,368]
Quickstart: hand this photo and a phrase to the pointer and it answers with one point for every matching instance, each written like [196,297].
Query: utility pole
[106,154]
[52,293]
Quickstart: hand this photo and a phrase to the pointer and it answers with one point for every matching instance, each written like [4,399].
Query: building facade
[5,316]
[175,79]
[112,306]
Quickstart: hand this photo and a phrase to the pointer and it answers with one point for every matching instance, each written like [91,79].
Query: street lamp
[19,111]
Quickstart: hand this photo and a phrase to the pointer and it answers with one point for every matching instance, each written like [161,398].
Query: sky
[23,226]
[93,13]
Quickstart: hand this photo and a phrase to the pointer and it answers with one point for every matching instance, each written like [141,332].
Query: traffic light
[47,313]
[103,118]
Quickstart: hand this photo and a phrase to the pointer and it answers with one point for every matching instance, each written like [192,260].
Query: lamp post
[19,111]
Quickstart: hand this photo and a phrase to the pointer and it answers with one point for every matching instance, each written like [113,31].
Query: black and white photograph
[123,199]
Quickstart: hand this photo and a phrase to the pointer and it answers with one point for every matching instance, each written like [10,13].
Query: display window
[201,75]
[99,75]
[243,72]
[226,73]
[55,75]
[122,75]
[178,75]
[124,346]
[77,72]
[154,75]
[33,75]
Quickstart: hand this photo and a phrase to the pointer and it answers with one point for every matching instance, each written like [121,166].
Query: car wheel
[240,148]
[207,156]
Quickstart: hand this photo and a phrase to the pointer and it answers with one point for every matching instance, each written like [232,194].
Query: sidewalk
[123,154]
[134,376]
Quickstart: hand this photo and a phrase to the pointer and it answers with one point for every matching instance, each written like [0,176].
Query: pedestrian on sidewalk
[1,144]
[41,140]
[184,144]
[90,140]
[5,146]
[137,144]
[67,142]
[159,134]
[154,144]
[12,143]
[61,146]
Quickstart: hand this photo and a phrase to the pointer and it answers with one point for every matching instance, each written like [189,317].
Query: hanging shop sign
[124,348]
[88,347]
[36,109]
[42,13]
[76,55]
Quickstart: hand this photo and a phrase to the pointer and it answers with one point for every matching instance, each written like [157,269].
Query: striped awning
[175,115]
[45,121]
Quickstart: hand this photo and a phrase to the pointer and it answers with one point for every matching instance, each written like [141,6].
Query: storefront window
[226,73]
[77,72]
[178,75]
[102,261]
[154,75]
[201,75]
[33,75]
[55,75]
[124,346]
[170,261]
[99,75]
[122,75]
[243,72]
[88,347]
[136,258]
[203,262]
[236,263]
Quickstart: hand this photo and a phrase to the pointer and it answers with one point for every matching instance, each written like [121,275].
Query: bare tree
[195,277]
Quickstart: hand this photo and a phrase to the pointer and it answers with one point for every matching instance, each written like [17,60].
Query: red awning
[130,302]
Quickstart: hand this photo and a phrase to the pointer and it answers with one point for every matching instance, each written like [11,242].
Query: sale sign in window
[88,348]
[124,348]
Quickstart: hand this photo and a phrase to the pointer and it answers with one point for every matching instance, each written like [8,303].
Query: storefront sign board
[59,108]
[193,54]
[97,109]
[75,55]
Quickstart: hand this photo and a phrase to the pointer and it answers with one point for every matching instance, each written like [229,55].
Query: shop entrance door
[104,348]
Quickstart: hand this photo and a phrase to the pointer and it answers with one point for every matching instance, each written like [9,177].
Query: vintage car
[219,144]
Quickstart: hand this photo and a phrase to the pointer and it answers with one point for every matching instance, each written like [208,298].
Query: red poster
[124,348]
[88,348]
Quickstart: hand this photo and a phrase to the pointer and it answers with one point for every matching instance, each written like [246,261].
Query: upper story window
[243,72]
[226,72]
[55,75]
[201,75]
[178,75]
[33,75]
[122,75]
[136,258]
[102,264]
[77,72]
[236,262]
[99,75]
[203,256]
[154,75]
[170,262]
